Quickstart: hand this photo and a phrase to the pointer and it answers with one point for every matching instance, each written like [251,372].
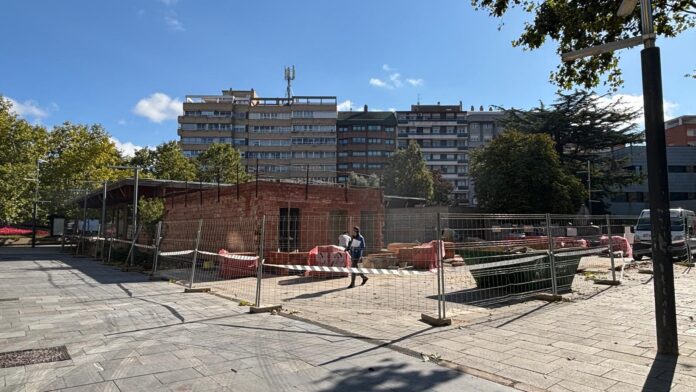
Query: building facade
[681,167]
[445,134]
[366,140]
[681,131]
[286,137]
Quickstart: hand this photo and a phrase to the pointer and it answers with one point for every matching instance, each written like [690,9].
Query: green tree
[223,162]
[573,25]
[407,175]
[79,157]
[521,173]
[169,163]
[371,181]
[21,145]
[150,211]
[442,189]
[584,127]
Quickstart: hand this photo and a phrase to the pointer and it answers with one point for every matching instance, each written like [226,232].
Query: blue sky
[127,64]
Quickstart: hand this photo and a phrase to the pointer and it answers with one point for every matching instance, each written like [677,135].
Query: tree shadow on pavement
[386,374]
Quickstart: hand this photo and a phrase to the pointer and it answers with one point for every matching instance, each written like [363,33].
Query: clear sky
[127,64]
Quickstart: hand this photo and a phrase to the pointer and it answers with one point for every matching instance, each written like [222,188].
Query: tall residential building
[366,140]
[681,131]
[681,170]
[286,136]
[445,133]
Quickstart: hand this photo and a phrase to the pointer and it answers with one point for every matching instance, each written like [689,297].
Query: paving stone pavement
[599,342]
[125,333]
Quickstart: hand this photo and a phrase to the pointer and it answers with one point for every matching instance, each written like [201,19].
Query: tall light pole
[658,184]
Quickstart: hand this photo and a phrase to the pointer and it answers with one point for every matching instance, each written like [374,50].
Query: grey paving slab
[126,333]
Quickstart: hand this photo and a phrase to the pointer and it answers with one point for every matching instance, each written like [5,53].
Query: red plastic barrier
[241,267]
[618,243]
[328,256]
[422,256]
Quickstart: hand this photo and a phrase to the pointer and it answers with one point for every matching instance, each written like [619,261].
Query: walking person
[357,247]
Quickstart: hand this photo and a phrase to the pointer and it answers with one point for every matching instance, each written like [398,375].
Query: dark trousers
[353,274]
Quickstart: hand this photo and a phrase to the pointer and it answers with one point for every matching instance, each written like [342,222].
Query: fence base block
[548,297]
[435,321]
[645,271]
[265,309]
[158,278]
[199,290]
[608,282]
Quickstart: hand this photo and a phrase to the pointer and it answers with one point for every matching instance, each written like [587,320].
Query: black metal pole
[257,177]
[658,186]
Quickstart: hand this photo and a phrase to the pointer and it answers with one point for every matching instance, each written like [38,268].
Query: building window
[302,114]
[388,141]
[289,229]
[674,196]
[313,140]
[359,140]
[358,153]
[691,132]
[374,127]
[388,129]
[677,169]
[342,154]
[374,141]
[342,129]
[358,127]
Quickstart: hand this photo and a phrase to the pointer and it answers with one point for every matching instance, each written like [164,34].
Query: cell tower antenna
[289,77]
[418,100]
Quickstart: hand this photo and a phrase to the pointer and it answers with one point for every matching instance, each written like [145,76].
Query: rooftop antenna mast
[418,100]
[289,77]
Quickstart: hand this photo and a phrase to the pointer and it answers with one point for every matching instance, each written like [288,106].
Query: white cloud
[380,83]
[635,102]
[159,107]
[122,122]
[173,22]
[345,106]
[393,79]
[127,149]
[396,79]
[169,2]
[391,110]
[31,109]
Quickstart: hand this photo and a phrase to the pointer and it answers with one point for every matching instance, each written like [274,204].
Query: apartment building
[366,140]
[681,131]
[445,134]
[285,137]
[681,171]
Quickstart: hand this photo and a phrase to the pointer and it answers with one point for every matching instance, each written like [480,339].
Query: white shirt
[343,240]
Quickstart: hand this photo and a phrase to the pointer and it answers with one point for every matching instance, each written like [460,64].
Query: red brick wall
[234,224]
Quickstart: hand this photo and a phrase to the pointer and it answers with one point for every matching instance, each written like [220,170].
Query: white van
[682,228]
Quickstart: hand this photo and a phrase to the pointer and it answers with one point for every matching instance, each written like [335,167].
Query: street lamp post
[658,184]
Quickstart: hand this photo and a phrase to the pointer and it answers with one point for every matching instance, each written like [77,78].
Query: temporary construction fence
[445,263]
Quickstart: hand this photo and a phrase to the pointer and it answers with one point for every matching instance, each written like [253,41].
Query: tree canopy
[442,189]
[573,25]
[584,127]
[221,162]
[168,162]
[407,175]
[21,145]
[521,173]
